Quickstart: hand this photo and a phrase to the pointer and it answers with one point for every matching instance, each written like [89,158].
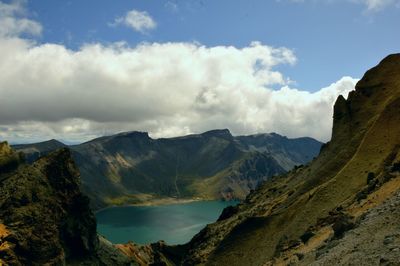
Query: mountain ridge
[131,167]
[318,201]
[341,209]
[320,213]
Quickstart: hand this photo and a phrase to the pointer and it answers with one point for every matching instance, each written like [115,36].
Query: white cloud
[376,5]
[172,6]
[139,21]
[11,24]
[168,89]
[370,5]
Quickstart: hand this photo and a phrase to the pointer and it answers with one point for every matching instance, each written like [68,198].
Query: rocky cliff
[44,218]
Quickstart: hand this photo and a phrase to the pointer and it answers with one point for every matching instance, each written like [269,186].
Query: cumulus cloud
[167,89]
[139,21]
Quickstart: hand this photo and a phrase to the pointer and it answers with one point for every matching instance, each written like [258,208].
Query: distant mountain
[341,209]
[131,167]
[288,152]
[36,150]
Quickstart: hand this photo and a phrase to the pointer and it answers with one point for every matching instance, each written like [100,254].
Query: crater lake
[174,223]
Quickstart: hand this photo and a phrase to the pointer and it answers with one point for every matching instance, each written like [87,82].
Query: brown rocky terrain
[374,241]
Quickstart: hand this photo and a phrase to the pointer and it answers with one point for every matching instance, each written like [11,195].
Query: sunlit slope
[365,139]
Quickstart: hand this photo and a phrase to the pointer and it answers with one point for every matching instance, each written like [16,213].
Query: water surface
[175,223]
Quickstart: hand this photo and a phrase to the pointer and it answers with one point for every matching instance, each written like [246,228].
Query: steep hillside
[44,218]
[287,152]
[375,240]
[132,167]
[346,198]
[321,198]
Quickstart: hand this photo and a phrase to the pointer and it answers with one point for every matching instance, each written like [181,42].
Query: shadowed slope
[45,219]
[131,167]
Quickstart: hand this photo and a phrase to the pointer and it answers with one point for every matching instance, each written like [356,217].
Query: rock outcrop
[44,218]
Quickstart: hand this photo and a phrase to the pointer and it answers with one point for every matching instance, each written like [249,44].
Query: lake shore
[175,221]
[157,202]
[168,201]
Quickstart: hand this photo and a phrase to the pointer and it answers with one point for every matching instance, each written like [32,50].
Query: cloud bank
[168,89]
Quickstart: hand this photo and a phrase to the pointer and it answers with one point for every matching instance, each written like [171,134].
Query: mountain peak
[134,134]
[218,133]
[392,58]
[53,142]
[379,76]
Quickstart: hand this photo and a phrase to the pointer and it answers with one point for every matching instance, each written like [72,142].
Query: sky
[75,70]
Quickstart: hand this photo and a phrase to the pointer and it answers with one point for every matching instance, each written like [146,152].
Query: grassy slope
[365,136]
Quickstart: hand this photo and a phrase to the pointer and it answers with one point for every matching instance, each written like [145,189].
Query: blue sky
[76,70]
[331,39]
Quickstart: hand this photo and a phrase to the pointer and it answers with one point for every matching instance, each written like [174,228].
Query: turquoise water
[175,224]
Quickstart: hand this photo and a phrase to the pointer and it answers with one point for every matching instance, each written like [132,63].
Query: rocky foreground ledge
[44,218]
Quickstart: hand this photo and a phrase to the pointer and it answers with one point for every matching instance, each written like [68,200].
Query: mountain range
[343,208]
[131,167]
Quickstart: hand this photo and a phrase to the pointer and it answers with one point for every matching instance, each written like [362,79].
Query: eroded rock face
[46,218]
